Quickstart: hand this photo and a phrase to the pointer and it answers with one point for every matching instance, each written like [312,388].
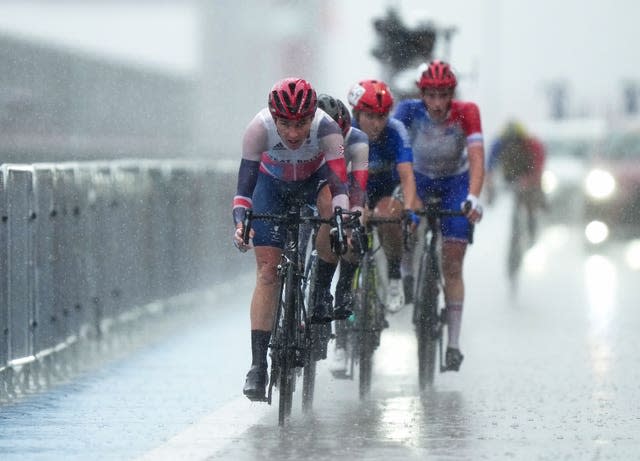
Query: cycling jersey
[391,147]
[441,164]
[321,157]
[356,155]
[524,163]
[440,148]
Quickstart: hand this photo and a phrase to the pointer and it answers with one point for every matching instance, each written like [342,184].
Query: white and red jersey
[356,154]
[263,143]
[440,148]
[264,150]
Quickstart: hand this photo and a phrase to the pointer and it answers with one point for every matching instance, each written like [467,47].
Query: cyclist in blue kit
[390,166]
[447,142]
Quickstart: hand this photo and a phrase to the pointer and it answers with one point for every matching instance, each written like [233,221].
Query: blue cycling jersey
[389,149]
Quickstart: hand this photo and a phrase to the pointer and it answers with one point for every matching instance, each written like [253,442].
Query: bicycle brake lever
[246,223]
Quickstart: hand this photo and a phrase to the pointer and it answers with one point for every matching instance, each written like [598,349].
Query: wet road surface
[551,372]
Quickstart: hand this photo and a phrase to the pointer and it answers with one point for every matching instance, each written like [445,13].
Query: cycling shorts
[379,186]
[272,196]
[452,190]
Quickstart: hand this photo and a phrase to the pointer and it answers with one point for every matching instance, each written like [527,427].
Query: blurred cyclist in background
[390,166]
[289,150]
[520,157]
[446,137]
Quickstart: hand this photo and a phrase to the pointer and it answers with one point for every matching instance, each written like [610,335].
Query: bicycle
[428,318]
[523,232]
[291,335]
[363,329]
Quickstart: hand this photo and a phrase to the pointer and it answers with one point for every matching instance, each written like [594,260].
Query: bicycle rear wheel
[365,298]
[313,336]
[516,242]
[426,321]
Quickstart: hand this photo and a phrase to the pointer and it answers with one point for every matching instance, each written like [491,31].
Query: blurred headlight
[600,184]
[549,182]
[596,232]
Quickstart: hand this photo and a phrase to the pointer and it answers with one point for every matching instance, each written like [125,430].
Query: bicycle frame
[287,342]
[522,234]
[365,328]
[291,332]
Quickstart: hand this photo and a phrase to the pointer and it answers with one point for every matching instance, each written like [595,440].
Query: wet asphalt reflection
[551,371]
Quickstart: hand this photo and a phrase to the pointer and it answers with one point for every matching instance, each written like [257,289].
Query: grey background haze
[506,52]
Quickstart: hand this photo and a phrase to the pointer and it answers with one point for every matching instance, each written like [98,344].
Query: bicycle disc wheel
[425,319]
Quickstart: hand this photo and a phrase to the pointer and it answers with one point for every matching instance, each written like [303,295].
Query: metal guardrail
[85,245]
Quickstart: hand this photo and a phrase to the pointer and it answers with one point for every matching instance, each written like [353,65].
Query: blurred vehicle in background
[568,143]
[612,188]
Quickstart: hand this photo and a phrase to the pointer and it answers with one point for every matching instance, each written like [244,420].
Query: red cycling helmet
[371,96]
[437,74]
[292,99]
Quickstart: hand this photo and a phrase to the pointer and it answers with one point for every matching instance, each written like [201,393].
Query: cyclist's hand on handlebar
[358,209]
[358,241]
[238,240]
[412,219]
[472,208]
[339,244]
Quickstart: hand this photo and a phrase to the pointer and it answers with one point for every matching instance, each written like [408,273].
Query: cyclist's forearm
[247,179]
[408,182]
[476,169]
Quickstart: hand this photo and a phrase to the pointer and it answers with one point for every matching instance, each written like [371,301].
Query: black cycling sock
[325,273]
[345,280]
[259,347]
[394,269]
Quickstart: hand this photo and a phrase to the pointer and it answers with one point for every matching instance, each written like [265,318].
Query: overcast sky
[505,50]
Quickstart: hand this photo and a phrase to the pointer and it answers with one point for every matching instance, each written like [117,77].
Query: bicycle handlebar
[294,217]
[433,210]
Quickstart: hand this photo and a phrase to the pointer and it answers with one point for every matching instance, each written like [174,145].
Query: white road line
[210,434]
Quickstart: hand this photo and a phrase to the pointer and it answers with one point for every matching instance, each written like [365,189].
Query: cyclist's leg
[406,261]
[327,262]
[344,296]
[262,314]
[531,204]
[268,247]
[455,231]
[408,254]
[392,244]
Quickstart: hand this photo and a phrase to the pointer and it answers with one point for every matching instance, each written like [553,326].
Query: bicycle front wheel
[426,321]
[287,351]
